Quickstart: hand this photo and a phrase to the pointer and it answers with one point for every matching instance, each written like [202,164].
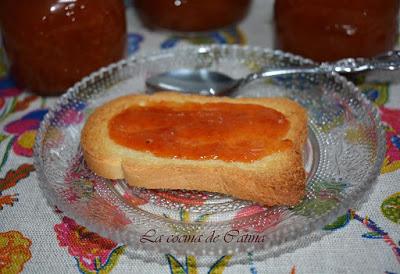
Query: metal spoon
[209,82]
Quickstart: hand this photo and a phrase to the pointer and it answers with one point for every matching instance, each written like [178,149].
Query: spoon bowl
[201,81]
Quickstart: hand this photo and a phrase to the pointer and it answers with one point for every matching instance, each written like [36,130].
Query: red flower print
[390,118]
[90,249]
[263,218]
[24,130]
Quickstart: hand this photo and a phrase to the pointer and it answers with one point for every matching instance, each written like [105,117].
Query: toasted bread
[276,179]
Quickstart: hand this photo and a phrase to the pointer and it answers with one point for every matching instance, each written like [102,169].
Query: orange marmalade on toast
[202,131]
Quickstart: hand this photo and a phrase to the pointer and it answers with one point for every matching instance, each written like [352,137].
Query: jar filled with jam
[327,30]
[187,16]
[51,44]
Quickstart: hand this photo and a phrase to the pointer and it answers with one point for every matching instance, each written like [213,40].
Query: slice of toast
[276,179]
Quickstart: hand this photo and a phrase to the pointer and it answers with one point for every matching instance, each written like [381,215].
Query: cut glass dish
[343,155]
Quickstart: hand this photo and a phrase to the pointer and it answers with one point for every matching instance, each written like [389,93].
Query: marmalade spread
[224,131]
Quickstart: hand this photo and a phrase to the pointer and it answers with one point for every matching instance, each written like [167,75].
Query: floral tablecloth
[35,238]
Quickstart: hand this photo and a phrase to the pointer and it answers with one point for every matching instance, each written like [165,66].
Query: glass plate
[344,152]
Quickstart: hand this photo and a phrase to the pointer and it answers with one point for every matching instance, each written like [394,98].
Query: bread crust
[277,179]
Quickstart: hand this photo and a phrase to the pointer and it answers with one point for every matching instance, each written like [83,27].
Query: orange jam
[224,131]
[327,30]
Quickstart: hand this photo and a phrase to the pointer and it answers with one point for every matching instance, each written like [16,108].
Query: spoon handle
[387,61]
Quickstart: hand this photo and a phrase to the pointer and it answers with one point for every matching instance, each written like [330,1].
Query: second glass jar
[326,30]
[187,16]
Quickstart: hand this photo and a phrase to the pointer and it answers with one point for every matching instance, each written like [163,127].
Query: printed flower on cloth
[10,180]
[7,90]
[390,208]
[24,130]
[232,35]
[390,118]
[379,94]
[13,99]
[134,40]
[190,265]
[14,252]
[92,252]
[267,218]
[374,231]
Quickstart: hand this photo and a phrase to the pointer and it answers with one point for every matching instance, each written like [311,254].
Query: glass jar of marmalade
[191,15]
[327,30]
[51,44]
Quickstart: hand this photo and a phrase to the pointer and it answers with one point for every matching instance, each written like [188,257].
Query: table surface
[35,238]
